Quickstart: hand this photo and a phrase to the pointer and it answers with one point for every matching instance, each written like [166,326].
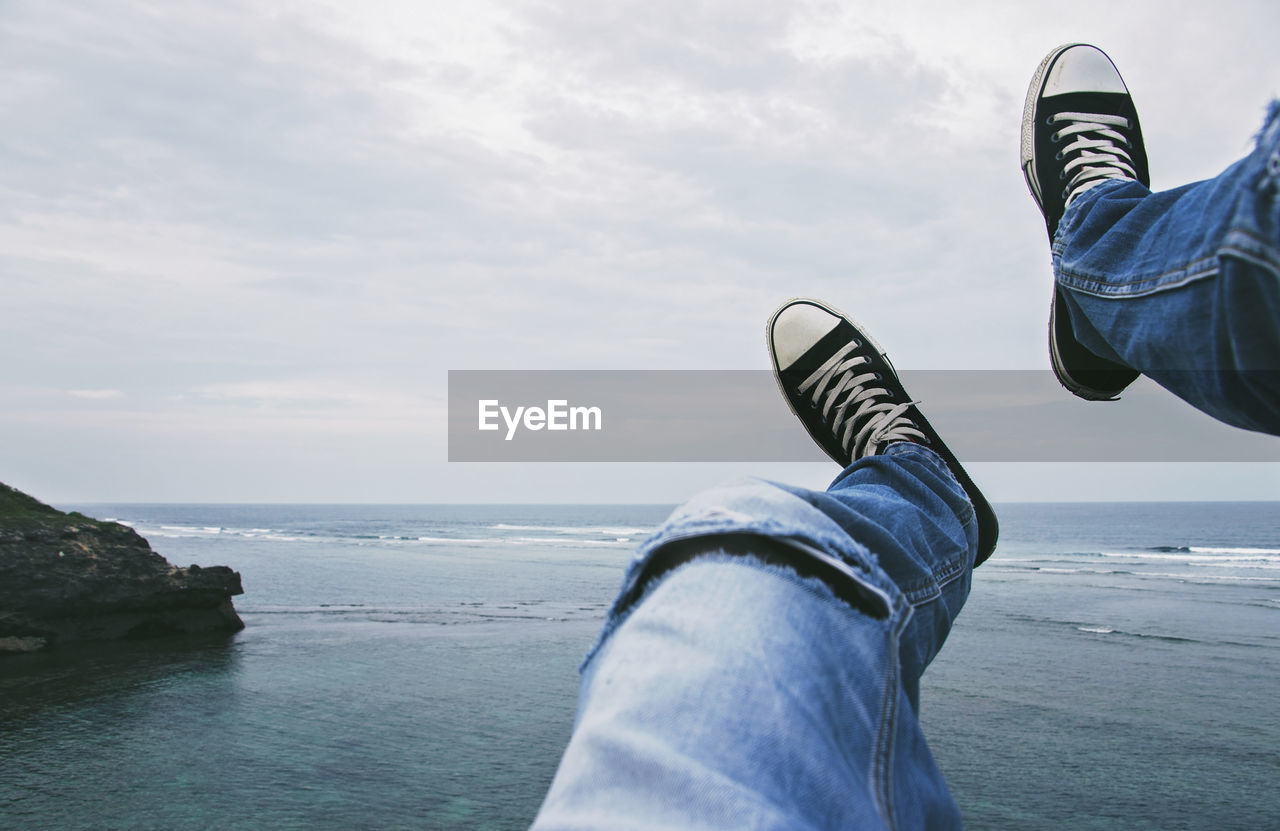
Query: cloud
[310,208]
[96,395]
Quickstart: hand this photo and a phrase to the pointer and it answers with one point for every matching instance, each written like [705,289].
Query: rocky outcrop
[66,578]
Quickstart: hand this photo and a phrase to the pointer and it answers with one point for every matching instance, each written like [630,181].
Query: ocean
[1116,667]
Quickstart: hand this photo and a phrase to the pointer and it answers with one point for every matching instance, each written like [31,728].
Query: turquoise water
[415,667]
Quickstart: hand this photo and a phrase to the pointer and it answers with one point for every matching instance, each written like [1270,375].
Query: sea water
[1116,666]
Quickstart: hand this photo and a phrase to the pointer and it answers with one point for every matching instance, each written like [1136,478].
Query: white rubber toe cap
[1082,68]
[795,329]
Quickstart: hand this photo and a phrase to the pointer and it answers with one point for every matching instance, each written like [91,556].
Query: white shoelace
[1102,151]
[865,409]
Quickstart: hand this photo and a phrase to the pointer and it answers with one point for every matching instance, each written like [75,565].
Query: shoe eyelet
[1057,157]
[1049,120]
[1062,175]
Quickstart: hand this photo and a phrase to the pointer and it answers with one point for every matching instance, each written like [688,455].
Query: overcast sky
[241,244]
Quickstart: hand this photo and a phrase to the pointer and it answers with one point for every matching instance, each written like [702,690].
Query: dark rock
[66,577]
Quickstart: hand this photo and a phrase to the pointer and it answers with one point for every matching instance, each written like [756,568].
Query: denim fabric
[738,695]
[1184,285]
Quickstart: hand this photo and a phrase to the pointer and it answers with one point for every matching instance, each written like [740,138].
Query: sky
[242,244]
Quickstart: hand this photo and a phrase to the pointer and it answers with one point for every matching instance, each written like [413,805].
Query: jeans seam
[884,742]
[951,574]
[1262,255]
[923,594]
[1174,278]
[1252,258]
[931,589]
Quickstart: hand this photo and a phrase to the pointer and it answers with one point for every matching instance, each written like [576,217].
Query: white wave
[599,530]
[1202,577]
[1105,571]
[1254,563]
[1261,557]
[559,541]
[1207,555]
[191,529]
[1144,555]
[249,533]
[470,540]
[1096,630]
[1205,576]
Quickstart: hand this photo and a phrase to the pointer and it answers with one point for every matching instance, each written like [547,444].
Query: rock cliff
[66,578]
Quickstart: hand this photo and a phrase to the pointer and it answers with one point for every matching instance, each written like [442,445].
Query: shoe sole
[1029,119]
[988,525]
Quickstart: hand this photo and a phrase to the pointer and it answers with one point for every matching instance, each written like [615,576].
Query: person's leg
[761,666]
[736,693]
[1184,285]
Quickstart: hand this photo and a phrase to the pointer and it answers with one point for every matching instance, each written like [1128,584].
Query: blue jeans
[735,693]
[732,691]
[1184,285]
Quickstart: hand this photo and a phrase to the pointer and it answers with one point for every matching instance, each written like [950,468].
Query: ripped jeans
[735,693]
[737,690]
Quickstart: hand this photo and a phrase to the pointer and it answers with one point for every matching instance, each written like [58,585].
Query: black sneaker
[841,385]
[1079,128]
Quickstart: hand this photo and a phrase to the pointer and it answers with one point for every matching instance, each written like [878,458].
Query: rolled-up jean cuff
[798,556]
[759,518]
